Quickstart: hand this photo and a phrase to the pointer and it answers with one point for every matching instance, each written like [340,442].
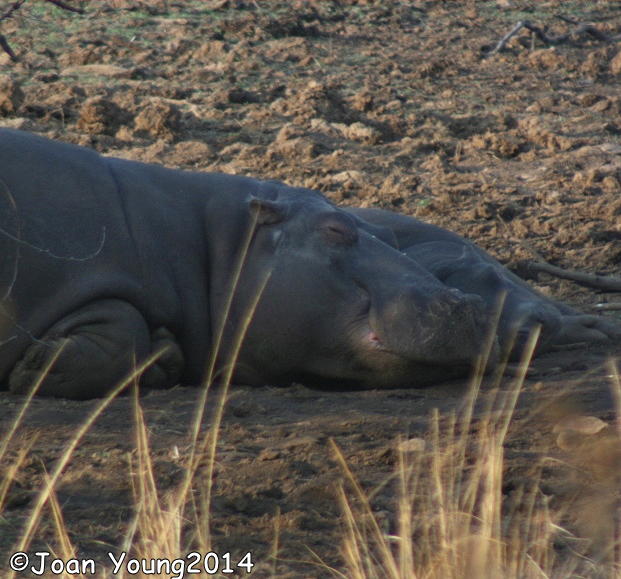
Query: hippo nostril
[457,299]
[373,340]
[452,302]
[531,315]
[542,316]
[455,293]
[450,296]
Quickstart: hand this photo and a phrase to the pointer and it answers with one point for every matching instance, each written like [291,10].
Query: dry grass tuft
[451,522]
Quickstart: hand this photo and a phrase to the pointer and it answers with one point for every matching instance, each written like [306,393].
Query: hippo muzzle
[443,327]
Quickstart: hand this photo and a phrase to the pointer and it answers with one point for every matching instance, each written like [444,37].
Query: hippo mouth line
[372,340]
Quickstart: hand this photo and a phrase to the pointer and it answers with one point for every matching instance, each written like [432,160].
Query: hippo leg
[167,370]
[580,328]
[100,343]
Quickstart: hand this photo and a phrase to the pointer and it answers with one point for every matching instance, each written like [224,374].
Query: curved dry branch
[581,28]
[599,282]
[66,6]
[10,12]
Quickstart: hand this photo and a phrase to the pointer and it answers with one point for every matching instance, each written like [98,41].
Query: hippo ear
[267,212]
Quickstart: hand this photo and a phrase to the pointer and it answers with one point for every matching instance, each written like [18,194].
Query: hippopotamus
[460,264]
[106,261]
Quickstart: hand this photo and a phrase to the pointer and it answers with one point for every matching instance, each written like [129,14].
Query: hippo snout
[460,339]
[443,327]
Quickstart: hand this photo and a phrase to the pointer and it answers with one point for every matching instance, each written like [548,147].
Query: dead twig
[14,6]
[590,29]
[66,6]
[599,282]
[581,28]
[7,48]
[7,14]
[11,8]
[607,307]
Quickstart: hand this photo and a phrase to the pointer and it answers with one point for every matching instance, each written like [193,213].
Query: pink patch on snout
[373,342]
[372,337]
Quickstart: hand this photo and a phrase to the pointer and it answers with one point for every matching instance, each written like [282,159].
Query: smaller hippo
[460,264]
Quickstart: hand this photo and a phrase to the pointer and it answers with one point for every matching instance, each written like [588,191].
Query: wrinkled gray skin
[111,260]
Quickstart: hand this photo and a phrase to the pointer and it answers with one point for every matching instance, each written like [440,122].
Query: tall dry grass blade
[185,498]
[485,488]
[195,458]
[466,416]
[357,548]
[374,534]
[131,532]
[616,395]
[155,526]
[155,531]
[490,409]
[438,495]
[615,388]
[44,495]
[13,469]
[67,550]
[219,331]
[479,371]
[219,412]
[275,546]
[405,552]
[501,409]
[507,410]
[144,476]
[29,396]
[490,339]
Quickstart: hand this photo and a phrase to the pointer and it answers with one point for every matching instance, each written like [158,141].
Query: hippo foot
[167,369]
[521,319]
[58,378]
[88,352]
[587,329]
[75,367]
[35,366]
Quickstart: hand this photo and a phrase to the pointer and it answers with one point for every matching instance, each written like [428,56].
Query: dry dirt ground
[390,104]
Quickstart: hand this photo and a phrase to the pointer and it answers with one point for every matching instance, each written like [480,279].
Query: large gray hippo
[109,260]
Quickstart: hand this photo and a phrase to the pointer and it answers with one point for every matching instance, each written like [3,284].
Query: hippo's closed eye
[339,229]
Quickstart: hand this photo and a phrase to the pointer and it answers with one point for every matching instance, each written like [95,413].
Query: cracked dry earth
[388,104]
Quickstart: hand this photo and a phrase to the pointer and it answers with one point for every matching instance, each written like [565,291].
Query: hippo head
[343,306]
